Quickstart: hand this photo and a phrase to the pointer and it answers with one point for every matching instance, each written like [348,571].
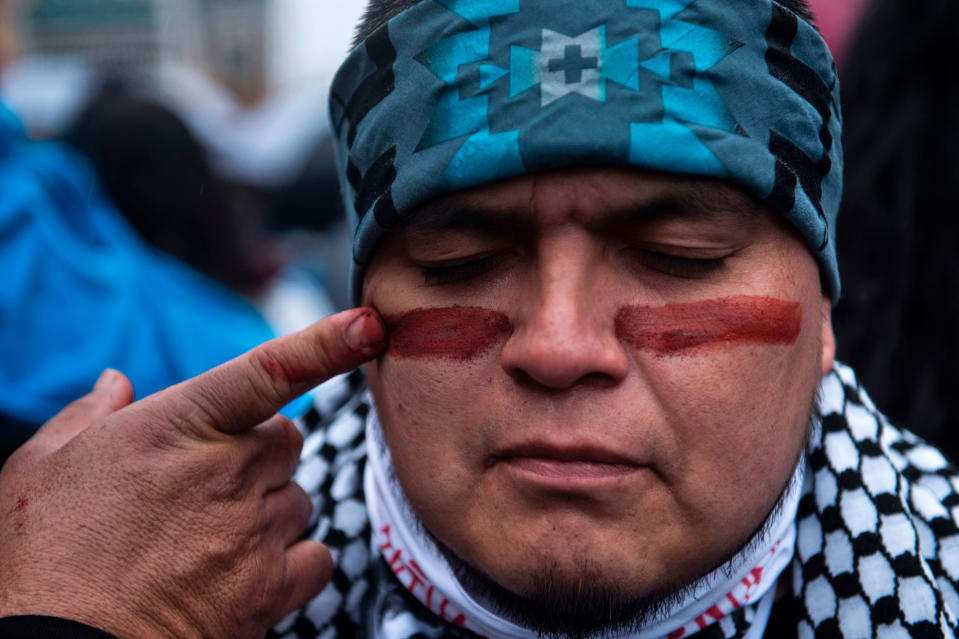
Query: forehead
[594,196]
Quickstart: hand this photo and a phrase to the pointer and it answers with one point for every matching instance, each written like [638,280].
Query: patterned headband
[456,93]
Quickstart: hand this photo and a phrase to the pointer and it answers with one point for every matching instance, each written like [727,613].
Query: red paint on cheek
[675,328]
[21,505]
[457,332]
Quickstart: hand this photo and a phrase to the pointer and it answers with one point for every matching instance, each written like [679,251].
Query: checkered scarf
[877,547]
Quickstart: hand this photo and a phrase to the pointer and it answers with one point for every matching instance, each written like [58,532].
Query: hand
[175,516]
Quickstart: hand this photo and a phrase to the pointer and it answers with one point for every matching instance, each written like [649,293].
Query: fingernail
[365,333]
[105,382]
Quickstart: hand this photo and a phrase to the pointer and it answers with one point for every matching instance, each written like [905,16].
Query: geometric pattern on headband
[581,64]
[456,93]
[672,68]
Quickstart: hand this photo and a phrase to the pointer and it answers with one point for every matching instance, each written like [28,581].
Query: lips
[568,463]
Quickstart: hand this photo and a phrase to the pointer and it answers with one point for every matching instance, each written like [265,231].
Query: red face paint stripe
[458,332]
[675,328]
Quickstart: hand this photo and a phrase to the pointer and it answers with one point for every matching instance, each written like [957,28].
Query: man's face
[607,379]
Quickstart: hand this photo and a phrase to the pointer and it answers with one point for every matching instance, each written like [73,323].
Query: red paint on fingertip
[366,333]
[457,332]
[678,328]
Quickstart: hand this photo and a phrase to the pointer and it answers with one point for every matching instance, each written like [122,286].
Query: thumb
[112,392]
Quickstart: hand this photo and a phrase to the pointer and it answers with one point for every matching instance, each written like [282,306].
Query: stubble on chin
[581,602]
[565,603]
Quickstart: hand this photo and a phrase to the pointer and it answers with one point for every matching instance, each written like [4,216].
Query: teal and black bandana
[452,94]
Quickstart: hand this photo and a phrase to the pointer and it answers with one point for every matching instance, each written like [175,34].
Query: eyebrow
[726,207]
[456,214]
[460,214]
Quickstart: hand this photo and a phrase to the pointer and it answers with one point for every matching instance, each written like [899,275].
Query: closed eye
[676,265]
[460,271]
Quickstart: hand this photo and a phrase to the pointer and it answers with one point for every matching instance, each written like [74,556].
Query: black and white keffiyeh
[877,554]
[876,550]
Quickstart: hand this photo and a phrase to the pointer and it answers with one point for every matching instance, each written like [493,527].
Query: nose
[565,338]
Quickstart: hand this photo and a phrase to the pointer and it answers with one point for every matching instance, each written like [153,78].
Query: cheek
[437,361]
[433,414]
[433,390]
[715,361]
[686,328]
[735,379]
[458,333]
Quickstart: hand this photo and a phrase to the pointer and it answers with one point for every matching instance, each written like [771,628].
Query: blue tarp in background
[80,291]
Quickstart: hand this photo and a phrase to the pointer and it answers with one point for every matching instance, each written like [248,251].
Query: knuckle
[290,438]
[302,508]
[206,409]
[324,352]
[279,441]
[167,424]
[265,590]
[179,426]
[231,475]
[295,435]
[305,500]
[320,566]
[273,378]
[197,417]
[225,485]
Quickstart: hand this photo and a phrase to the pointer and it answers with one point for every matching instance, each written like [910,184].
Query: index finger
[245,391]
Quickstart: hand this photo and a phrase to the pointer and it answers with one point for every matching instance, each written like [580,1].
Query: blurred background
[167,190]
[248,79]
[168,198]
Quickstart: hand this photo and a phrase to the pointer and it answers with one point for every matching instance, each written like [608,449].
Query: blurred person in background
[307,214]
[159,176]
[190,235]
[82,292]
[898,234]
